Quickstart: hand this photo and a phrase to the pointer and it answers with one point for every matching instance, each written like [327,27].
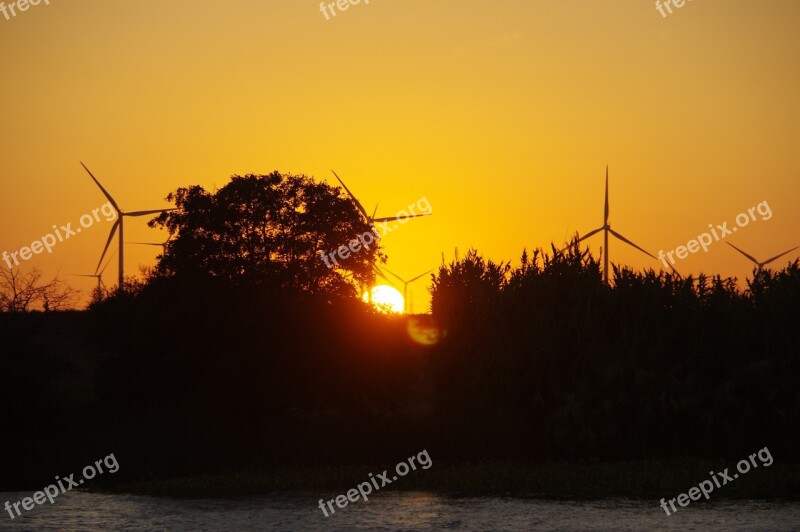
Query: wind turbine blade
[108,242]
[100,273]
[589,234]
[358,203]
[745,254]
[584,237]
[379,273]
[145,243]
[105,192]
[145,213]
[631,243]
[374,212]
[395,275]
[392,218]
[418,276]
[81,275]
[777,256]
[605,212]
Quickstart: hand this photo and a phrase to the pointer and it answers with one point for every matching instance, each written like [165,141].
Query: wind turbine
[98,276]
[162,245]
[364,287]
[764,263]
[118,225]
[380,274]
[371,220]
[606,228]
[405,286]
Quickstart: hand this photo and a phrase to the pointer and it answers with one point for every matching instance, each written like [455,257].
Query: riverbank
[555,480]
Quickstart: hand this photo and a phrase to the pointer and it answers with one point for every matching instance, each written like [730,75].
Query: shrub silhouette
[543,359]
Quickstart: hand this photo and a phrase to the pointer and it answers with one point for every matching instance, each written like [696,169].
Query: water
[392,511]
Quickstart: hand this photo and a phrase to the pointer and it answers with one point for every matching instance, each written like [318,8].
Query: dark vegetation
[250,358]
[650,479]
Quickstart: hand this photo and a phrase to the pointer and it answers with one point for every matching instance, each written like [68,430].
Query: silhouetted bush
[545,361]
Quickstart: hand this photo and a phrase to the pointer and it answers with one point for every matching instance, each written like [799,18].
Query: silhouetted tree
[21,291]
[266,229]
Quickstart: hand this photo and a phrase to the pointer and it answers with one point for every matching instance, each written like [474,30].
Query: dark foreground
[191,378]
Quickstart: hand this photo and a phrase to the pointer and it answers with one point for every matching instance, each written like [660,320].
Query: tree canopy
[266,229]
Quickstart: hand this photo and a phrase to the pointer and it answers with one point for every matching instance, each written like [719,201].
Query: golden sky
[503,114]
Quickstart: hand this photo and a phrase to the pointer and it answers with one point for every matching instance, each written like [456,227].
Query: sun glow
[386,299]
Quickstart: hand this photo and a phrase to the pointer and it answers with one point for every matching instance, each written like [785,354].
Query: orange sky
[503,114]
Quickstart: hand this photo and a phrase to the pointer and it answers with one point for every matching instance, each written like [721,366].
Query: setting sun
[386,298]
